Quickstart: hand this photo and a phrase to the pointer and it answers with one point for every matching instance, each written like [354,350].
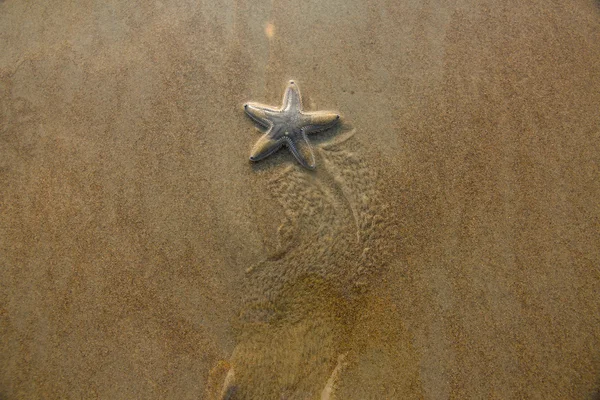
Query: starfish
[288,126]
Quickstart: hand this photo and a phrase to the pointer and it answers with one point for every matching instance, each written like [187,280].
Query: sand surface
[447,245]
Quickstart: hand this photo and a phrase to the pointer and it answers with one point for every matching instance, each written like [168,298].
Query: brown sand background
[129,213]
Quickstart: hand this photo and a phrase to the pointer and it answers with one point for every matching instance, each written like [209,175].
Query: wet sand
[445,247]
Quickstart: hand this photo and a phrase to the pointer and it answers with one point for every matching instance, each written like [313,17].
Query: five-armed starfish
[288,126]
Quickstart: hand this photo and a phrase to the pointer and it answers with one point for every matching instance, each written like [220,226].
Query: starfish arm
[260,113]
[265,146]
[319,121]
[301,149]
[291,98]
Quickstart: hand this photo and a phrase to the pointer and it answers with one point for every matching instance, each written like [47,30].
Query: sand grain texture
[447,249]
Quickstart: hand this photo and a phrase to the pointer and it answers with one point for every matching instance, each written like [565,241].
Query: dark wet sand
[129,214]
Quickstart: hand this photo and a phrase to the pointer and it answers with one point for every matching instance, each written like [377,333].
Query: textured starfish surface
[288,126]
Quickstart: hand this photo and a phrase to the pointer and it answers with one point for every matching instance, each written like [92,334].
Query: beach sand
[446,246]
